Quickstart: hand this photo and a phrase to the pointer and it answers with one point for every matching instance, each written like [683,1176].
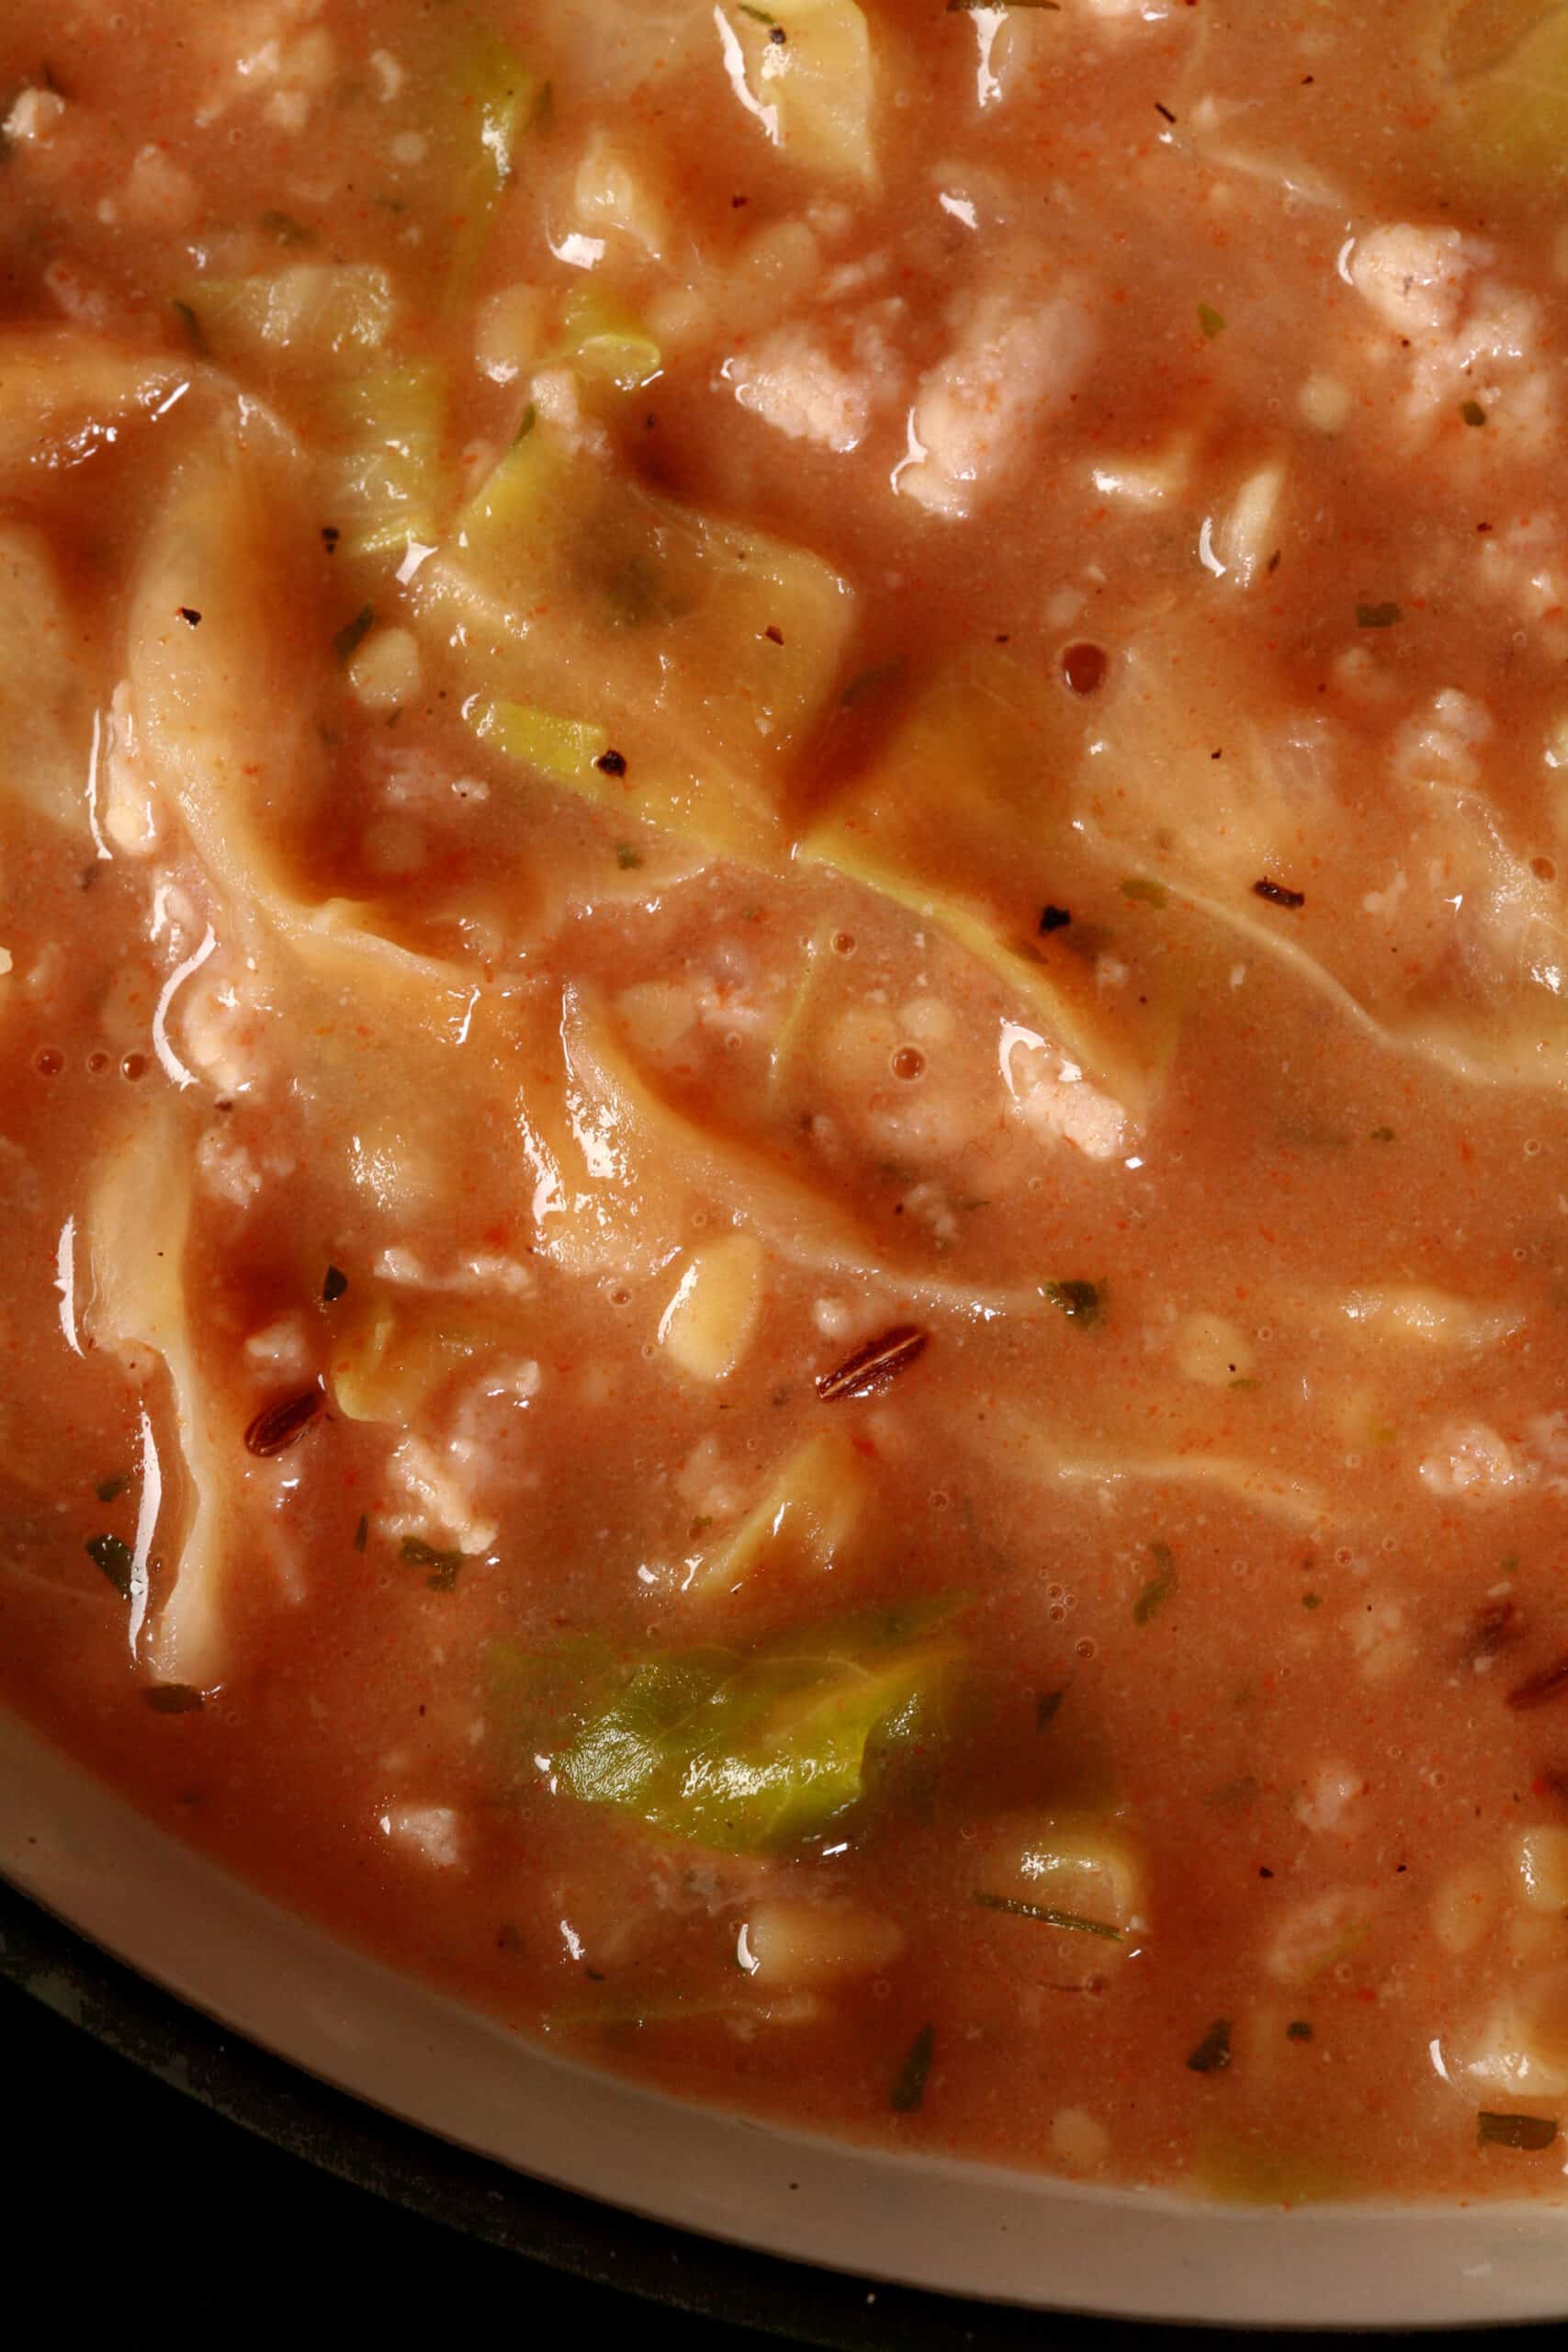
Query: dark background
[127,2160]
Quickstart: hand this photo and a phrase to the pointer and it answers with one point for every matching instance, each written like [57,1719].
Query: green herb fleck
[333,1285]
[109,1490]
[1213,2052]
[1242,1792]
[1532,2132]
[1244,1380]
[1473,413]
[1048,1916]
[530,418]
[628,856]
[1381,1135]
[117,1560]
[362,1532]
[909,2088]
[173,1699]
[758,16]
[1377,616]
[1148,893]
[1080,1301]
[283,228]
[1045,1706]
[1211,321]
[1298,2031]
[1312,1600]
[867,681]
[353,634]
[1157,1591]
[443,1566]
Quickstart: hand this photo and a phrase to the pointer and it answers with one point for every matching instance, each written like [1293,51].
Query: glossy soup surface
[784,821]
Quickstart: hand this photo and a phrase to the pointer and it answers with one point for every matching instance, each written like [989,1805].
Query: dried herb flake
[117,1560]
[1160,1586]
[173,1699]
[1049,1917]
[1208,318]
[1531,2132]
[1080,1301]
[445,1567]
[1549,1684]
[1377,616]
[1213,2054]
[353,634]
[333,1285]
[909,2087]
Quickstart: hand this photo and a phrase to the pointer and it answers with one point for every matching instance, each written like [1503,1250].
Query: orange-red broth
[1306,1738]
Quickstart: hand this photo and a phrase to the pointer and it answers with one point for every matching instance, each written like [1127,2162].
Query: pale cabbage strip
[625,1138]
[136,1230]
[1508,1051]
[63,396]
[1056,1459]
[359,1031]
[46,719]
[230,740]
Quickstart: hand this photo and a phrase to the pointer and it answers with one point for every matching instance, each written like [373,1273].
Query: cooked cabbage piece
[45,707]
[1079,1872]
[310,319]
[801,1524]
[613,1163]
[1265,842]
[605,343]
[703,652]
[1504,93]
[966,819]
[135,1234]
[387,489]
[812,91]
[62,395]
[753,1751]
[394,1354]
[486,104]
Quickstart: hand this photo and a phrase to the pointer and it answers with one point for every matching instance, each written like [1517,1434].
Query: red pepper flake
[875,1366]
[774,634]
[1549,1684]
[277,1426]
[1277,893]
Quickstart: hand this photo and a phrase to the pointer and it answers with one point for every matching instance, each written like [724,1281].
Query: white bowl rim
[927,2221]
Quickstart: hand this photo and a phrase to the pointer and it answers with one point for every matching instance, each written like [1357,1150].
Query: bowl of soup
[785,1049]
